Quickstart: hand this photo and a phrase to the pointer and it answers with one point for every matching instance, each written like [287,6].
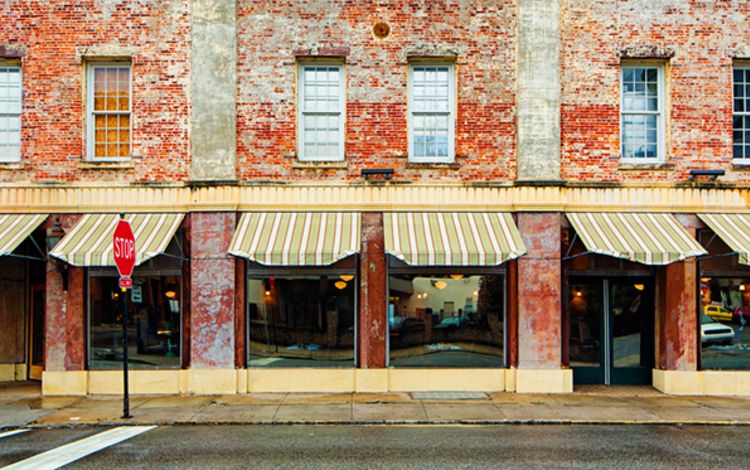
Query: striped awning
[734,230]
[296,238]
[89,242]
[648,238]
[14,228]
[452,238]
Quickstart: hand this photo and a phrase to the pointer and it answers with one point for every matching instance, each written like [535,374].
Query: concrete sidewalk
[22,405]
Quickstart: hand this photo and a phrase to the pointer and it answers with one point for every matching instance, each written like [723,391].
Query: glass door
[631,322]
[36,332]
[611,330]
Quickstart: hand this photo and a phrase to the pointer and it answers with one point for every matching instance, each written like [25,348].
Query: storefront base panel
[544,380]
[320,380]
[301,380]
[705,382]
[446,380]
[12,372]
[146,382]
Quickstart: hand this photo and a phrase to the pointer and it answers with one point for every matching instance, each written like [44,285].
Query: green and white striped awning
[648,238]
[452,238]
[14,228]
[89,242]
[297,238]
[734,229]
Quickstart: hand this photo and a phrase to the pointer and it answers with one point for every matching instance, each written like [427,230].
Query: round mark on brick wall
[381,30]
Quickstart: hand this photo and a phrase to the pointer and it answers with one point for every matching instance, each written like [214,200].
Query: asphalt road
[402,447]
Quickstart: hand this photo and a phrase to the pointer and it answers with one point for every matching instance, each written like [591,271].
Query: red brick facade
[55,38]
[272,35]
[696,40]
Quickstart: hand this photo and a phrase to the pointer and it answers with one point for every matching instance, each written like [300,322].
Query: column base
[702,382]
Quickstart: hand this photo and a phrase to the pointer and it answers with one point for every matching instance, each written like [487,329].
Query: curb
[459,422]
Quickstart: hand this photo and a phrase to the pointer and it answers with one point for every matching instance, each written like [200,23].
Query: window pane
[153,329]
[430,89]
[301,321]
[741,120]
[322,89]
[639,136]
[10,90]
[725,313]
[446,320]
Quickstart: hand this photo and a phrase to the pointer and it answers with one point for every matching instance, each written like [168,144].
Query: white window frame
[9,66]
[90,137]
[745,113]
[451,113]
[661,147]
[301,113]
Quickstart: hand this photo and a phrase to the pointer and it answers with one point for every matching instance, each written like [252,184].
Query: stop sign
[123,248]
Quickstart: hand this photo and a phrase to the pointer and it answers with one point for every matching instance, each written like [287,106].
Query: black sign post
[126,392]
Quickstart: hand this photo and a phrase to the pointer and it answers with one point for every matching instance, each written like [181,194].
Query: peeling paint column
[65,313]
[678,329]
[539,306]
[212,291]
[539,93]
[677,319]
[372,326]
[213,119]
[64,325]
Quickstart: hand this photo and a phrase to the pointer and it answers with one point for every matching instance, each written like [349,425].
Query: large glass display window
[302,317]
[440,319]
[154,326]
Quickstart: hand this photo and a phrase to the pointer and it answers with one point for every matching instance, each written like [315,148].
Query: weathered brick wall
[704,36]
[54,35]
[481,33]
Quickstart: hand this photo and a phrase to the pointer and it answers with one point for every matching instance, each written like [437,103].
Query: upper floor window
[321,112]
[741,112]
[108,107]
[642,112]
[431,113]
[10,113]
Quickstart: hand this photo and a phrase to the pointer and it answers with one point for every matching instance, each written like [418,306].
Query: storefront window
[301,320]
[725,322]
[154,306]
[446,320]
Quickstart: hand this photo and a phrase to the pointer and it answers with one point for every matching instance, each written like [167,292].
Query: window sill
[104,165]
[650,166]
[12,166]
[321,165]
[433,166]
[741,166]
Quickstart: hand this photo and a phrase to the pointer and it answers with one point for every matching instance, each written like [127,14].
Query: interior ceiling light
[340,285]
[457,276]
[346,277]
[439,285]
[170,294]
[639,286]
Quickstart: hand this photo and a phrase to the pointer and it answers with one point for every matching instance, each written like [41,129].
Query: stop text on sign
[124,248]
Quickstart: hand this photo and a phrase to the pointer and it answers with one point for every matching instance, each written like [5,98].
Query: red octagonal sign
[123,249]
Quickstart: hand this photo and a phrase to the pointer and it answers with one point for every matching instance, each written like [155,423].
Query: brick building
[371,196]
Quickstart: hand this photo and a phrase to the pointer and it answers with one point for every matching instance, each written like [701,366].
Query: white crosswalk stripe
[13,432]
[68,453]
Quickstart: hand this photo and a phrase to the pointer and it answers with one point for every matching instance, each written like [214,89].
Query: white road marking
[13,432]
[68,453]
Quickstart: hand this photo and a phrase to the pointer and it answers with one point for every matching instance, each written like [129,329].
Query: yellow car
[718,313]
